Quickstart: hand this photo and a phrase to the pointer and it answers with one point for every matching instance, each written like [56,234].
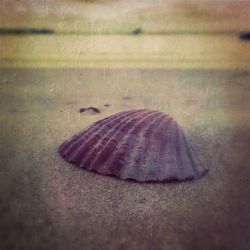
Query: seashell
[143,145]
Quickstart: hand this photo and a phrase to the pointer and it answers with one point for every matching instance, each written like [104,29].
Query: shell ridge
[191,152]
[165,160]
[74,139]
[90,136]
[168,156]
[74,142]
[178,152]
[188,171]
[126,126]
[150,162]
[134,149]
[104,141]
[65,145]
[156,146]
[84,148]
[124,144]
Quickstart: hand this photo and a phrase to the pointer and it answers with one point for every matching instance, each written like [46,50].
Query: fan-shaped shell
[142,145]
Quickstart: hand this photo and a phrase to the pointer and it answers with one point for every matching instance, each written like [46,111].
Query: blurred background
[189,59]
[145,33]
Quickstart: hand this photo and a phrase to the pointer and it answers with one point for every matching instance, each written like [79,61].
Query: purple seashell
[143,145]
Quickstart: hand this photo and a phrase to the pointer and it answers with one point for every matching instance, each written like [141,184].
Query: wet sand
[47,203]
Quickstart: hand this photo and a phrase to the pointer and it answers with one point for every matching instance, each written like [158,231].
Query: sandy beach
[47,203]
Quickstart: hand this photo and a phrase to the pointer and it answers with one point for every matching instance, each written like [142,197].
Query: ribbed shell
[143,145]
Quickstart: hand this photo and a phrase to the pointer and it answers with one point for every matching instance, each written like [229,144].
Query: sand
[189,50]
[47,203]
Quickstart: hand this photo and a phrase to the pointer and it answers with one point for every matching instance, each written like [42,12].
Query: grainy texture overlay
[67,64]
